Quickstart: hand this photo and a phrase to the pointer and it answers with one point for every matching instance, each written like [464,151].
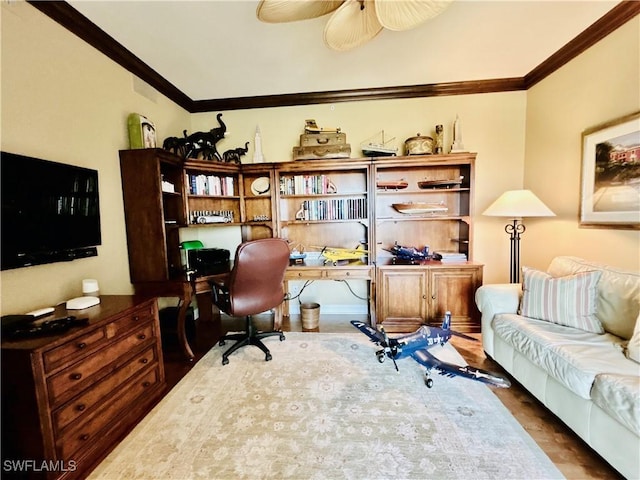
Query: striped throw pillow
[569,301]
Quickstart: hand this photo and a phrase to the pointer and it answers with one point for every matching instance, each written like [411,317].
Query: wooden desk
[317,270]
[185,290]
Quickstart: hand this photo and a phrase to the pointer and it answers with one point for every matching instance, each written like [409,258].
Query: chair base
[250,337]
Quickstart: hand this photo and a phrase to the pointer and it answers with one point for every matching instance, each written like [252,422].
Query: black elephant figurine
[198,144]
[176,145]
[234,154]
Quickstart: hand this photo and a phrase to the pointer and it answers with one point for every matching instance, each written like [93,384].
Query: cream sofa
[588,379]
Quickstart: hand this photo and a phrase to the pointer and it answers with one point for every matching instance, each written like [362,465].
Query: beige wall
[64,101]
[599,85]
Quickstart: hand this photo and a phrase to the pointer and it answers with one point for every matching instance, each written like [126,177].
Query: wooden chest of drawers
[68,399]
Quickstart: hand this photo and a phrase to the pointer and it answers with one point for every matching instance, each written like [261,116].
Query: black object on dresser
[69,398]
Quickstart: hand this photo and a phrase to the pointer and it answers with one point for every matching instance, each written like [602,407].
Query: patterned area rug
[325,408]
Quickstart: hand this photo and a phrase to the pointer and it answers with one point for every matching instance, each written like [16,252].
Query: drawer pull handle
[348,273]
[84,437]
[146,384]
[136,318]
[144,360]
[75,376]
[142,336]
[82,345]
[80,407]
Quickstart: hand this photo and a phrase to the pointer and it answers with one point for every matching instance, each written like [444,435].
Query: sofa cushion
[573,357]
[618,301]
[633,347]
[568,300]
[618,396]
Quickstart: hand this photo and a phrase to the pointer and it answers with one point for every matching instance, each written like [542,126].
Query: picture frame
[610,182]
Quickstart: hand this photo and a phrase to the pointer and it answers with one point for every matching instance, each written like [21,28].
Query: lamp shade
[518,204]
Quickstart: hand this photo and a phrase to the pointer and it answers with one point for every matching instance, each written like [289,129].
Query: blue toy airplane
[418,343]
[410,254]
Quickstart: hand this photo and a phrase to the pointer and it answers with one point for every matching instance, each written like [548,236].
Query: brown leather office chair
[254,285]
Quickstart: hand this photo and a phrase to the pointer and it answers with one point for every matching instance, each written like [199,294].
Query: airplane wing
[373,334]
[428,360]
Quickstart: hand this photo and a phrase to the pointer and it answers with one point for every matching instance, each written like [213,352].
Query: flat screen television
[50,211]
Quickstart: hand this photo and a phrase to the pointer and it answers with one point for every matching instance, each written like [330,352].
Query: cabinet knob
[136,318]
[75,376]
[146,384]
[84,437]
[433,297]
[142,336]
[81,345]
[144,360]
[424,297]
[80,407]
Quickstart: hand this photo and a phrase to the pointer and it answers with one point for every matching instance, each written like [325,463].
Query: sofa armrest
[492,300]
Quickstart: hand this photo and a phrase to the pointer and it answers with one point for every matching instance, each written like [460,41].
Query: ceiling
[218,49]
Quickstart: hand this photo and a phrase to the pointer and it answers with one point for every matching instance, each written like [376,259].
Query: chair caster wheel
[221,343]
[267,357]
[225,361]
[282,337]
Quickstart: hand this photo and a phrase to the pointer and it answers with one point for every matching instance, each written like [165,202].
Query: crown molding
[78,24]
[611,21]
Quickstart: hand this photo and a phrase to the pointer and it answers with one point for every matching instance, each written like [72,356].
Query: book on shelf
[305,185]
[213,185]
[451,257]
[333,209]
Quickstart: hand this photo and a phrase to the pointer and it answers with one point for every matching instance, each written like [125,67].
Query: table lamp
[517,204]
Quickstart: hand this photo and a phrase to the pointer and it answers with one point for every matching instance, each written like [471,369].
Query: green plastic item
[191,245]
[142,132]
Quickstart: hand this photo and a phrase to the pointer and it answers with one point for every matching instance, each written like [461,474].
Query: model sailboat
[381,148]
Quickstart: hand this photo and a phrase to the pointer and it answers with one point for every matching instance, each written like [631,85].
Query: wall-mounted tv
[50,211]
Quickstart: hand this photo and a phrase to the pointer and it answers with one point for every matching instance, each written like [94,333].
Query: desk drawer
[87,401]
[73,379]
[89,433]
[299,273]
[346,273]
[71,351]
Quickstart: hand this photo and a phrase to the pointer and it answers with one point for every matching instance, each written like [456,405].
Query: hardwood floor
[568,452]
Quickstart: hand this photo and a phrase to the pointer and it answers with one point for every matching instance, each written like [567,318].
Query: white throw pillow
[633,348]
[569,300]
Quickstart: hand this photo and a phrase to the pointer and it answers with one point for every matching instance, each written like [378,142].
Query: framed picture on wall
[610,193]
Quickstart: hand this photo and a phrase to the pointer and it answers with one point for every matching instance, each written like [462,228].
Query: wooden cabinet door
[454,289]
[402,299]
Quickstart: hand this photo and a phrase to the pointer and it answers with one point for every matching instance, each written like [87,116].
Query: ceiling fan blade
[279,11]
[407,14]
[353,24]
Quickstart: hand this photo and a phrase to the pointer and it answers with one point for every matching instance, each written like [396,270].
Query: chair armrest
[220,291]
[492,300]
